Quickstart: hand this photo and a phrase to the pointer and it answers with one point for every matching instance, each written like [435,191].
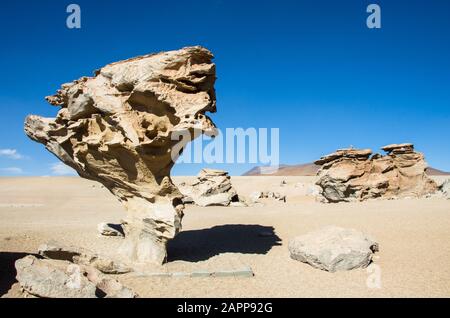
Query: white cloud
[60,169]
[11,154]
[13,170]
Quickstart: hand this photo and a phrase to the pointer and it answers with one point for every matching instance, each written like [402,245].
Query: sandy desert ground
[414,238]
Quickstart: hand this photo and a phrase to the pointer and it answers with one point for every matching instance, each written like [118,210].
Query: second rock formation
[353,175]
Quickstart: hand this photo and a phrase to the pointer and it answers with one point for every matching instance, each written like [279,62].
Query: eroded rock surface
[109,229]
[334,249]
[52,279]
[77,255]
[212,187]
[257,195]
[355,175]
[445,189]
[118,127]
[63,279]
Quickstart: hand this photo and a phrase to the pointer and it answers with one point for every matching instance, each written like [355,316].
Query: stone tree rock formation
[353,175]
[118,128]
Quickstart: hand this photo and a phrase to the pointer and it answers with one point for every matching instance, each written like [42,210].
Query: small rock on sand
[334,249]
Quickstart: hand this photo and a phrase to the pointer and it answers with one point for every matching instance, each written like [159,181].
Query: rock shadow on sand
[200,245]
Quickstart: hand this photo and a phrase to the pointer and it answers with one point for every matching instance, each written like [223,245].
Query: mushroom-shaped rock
[123,127]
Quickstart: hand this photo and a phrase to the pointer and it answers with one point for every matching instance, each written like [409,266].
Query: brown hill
[307,169]
[310,169]
[437,172]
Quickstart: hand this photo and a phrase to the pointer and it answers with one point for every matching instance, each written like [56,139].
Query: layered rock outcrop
[77,255]
[212,187]
[355,175]
[121,127]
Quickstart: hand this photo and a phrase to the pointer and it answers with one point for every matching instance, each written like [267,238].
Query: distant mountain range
[310,169]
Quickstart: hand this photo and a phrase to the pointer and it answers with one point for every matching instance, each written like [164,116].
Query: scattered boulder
[257,195]
[353,175]
[445,188]
[275,195]
[212,188]
[334,249]
[125,127]
[112,288]
[63,279]
[53,279]
[57,251]
[107,287]
[108,229]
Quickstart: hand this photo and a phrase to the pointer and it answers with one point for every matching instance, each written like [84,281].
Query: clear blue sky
[311,68]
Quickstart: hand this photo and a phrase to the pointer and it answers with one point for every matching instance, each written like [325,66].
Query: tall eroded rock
[355,175]
[121,127]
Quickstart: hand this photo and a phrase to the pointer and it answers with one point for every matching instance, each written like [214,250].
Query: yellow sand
[414,238]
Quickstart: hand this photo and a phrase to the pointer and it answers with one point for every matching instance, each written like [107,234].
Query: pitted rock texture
[63,279]
[355,175]
[118,128]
